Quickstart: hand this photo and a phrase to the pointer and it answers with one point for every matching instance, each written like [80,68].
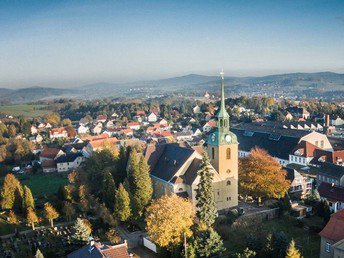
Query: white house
[83,129]
[197,109]
[152,118]
[97,129]
[69,161]
[33,130]
[209,126]
[134,125]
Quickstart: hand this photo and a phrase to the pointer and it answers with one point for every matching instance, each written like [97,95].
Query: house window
[316,143]
[212,153]
[328,247]
[228,153]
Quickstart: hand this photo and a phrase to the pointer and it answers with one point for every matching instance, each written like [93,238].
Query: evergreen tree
[121,165]
[247,254]
[39,254]
[140,183]
[68,210]
[82,230]
[50,213]
[109,190]
[208,243]
[205,203]
[31,217]
[122,204]
[28,201]
[292,251]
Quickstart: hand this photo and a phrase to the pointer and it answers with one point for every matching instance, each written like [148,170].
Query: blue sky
[65,43]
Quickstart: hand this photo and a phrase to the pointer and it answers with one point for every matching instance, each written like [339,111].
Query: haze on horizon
[66,43]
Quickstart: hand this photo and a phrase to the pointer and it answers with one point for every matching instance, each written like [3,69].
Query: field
[25,110]
[307,242]
[41,185]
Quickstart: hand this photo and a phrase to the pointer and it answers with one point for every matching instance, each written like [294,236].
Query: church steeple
[222,115]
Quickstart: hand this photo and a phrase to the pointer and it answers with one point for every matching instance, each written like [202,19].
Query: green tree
[50,213]
[208,243]
[11,131]
[205,203]
[122,204]
[68,210]
[292,251]
[109,189]
[28,201]
[82,229]
[140,183]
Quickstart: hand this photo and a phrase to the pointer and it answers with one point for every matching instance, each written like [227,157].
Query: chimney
[327,120]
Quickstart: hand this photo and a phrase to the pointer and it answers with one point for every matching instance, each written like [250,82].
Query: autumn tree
[168,218]
[82,229]
[140,183]
[292,251]
[39,254]
[10,192]
[28,201]
[66,122]
[205,203]
[50,213]
[262,176]
[31,217]
[12,218]
[53,119]
[113,236]
[122,204]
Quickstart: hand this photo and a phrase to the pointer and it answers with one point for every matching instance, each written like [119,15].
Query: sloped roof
[166,159]
[332,193]
[334,229]
[306,149]
[280,146]
[191,173]
[103,142]
[101,251]
[49,153]
[70,157]
[331,169]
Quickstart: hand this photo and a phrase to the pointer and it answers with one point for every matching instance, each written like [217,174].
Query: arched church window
[221,122]
[228,182]
[212,153]
[228,153]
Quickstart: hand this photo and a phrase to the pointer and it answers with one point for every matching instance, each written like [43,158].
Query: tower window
[225,122]
[212,153]
[228,171]
[228,153]
[221,122]
[228,182]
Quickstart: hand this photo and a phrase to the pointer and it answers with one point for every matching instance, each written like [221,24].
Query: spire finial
[222,74]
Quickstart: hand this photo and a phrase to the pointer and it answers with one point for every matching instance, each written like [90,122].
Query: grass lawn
[25,110]
[41,184]
[6,228]
[307,242]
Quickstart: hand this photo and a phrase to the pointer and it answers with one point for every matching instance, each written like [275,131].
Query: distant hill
[34,94]
[325,85]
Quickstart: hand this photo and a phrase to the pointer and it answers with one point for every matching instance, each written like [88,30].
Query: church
[173,167]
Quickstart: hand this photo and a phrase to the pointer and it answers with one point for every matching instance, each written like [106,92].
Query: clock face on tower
[228,138]
[213,137]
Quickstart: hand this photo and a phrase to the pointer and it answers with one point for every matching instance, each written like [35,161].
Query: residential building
[58,133]
[68,161]
[332,236]
[99,250]
[82,129]
[152,118]
[333,194]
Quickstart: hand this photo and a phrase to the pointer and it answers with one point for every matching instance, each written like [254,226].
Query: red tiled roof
[101,117]
[96,137]
[133,124]
[49,153]
[140,112]
[334,229]
[128,130]
[59,130]
[103,142]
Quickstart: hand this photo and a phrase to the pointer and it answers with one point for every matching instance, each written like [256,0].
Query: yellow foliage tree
[292,251]
[168,219]
[50,213]
[31,217]
[261,175]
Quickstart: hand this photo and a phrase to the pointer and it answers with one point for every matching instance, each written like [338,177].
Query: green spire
[218,137]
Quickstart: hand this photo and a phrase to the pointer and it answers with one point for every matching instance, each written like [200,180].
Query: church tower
[223,154]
